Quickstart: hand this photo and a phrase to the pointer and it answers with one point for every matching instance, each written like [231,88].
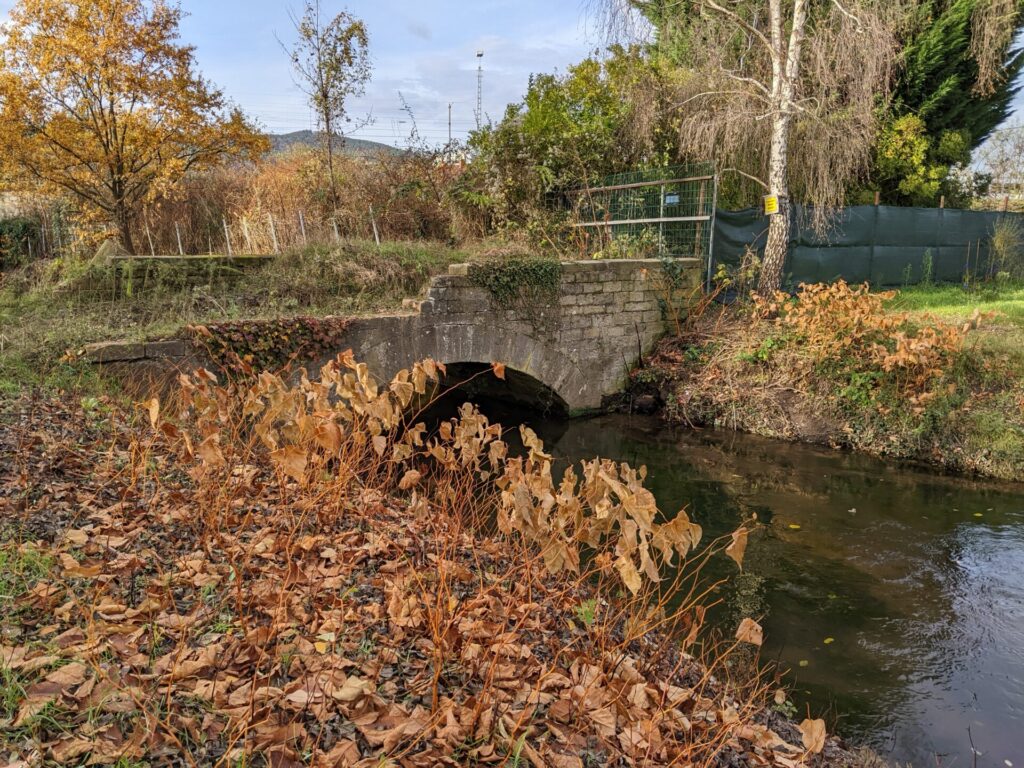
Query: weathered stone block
[114,352]
[166,348]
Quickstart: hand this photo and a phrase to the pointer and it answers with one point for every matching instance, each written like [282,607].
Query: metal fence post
[711,235]
[373,220]
[245,233]
[661,226]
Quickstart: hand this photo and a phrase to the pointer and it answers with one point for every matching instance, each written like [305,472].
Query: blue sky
[426,50]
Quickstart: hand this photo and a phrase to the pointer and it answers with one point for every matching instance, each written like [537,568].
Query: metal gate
[671,210]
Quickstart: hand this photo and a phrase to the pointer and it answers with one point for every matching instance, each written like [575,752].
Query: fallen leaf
[209,451]
[353,690]
[409,480]
[69,675]
[70,748]
[77,537]
[152,407]
[738,548]
[292,461]
[813,733]
[750,631]
[630,575]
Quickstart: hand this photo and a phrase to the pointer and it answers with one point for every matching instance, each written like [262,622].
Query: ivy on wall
[514,281]
[254,345]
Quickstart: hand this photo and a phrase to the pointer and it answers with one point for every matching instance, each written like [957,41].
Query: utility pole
[479,88]
[449,122]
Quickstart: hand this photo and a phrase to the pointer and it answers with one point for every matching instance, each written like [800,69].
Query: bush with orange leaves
[848,330]
[306,428]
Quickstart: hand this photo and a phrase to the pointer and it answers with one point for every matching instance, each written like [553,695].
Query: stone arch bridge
[571,346]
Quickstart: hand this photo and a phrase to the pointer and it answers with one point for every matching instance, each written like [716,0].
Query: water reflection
[916,578]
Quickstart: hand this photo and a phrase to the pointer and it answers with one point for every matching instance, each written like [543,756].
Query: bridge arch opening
[517,398]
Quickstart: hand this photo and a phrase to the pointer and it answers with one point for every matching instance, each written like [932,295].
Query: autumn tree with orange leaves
[99,99]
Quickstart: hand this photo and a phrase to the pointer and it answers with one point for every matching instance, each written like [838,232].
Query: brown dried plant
[843,325]
[297,571]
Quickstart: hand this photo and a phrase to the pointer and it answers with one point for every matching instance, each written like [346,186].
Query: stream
[898,603]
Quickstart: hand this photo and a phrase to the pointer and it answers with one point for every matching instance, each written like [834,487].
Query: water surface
[918,578]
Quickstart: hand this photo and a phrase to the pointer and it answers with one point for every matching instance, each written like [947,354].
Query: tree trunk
[329,145]
[777,247]
[775,251]
[124,227]
[785,74]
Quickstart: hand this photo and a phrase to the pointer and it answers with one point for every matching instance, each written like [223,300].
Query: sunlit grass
[952,302]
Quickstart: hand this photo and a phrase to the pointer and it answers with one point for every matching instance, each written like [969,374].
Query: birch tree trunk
[785,74]
[777,247]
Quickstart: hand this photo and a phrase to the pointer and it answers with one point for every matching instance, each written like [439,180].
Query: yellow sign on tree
[771,205]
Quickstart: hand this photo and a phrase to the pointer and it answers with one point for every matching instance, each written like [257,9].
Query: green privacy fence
[883,245]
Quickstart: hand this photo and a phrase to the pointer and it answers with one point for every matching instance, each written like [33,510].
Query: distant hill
[279,142]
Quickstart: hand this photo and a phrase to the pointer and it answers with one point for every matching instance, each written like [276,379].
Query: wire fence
[670,209]
[32,235]
[261,234]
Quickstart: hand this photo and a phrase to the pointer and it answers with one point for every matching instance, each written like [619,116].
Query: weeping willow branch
[992,27]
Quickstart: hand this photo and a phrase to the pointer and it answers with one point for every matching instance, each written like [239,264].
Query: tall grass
[282,202]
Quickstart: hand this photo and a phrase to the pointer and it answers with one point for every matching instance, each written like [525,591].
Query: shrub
[848,330]
[16,234]
[1007,247]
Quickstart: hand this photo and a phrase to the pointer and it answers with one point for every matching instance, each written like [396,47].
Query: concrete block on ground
[114,352]
[166,348]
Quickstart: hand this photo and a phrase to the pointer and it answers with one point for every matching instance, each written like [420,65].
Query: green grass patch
[49,308]
[21,567]
[953,302]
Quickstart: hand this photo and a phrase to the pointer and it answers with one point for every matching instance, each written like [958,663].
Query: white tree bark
[785,76]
